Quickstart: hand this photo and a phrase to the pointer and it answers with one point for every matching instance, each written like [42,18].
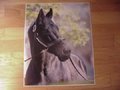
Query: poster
[58,44]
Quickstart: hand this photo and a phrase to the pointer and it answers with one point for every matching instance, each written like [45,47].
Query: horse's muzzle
[65,56]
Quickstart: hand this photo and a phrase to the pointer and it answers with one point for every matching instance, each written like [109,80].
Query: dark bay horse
[50,54]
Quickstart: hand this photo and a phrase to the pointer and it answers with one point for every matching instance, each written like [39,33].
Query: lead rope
[77,69]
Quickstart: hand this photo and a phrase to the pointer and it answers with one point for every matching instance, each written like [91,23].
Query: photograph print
[58,44]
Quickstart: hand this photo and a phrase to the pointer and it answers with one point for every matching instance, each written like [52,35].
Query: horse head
[47,34]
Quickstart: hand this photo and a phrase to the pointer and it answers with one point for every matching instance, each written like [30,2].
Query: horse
[51,58]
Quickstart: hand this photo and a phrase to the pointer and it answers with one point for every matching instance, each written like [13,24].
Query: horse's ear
[40,16]
[50,13]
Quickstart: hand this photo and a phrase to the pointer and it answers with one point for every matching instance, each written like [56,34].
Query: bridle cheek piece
[42,43]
